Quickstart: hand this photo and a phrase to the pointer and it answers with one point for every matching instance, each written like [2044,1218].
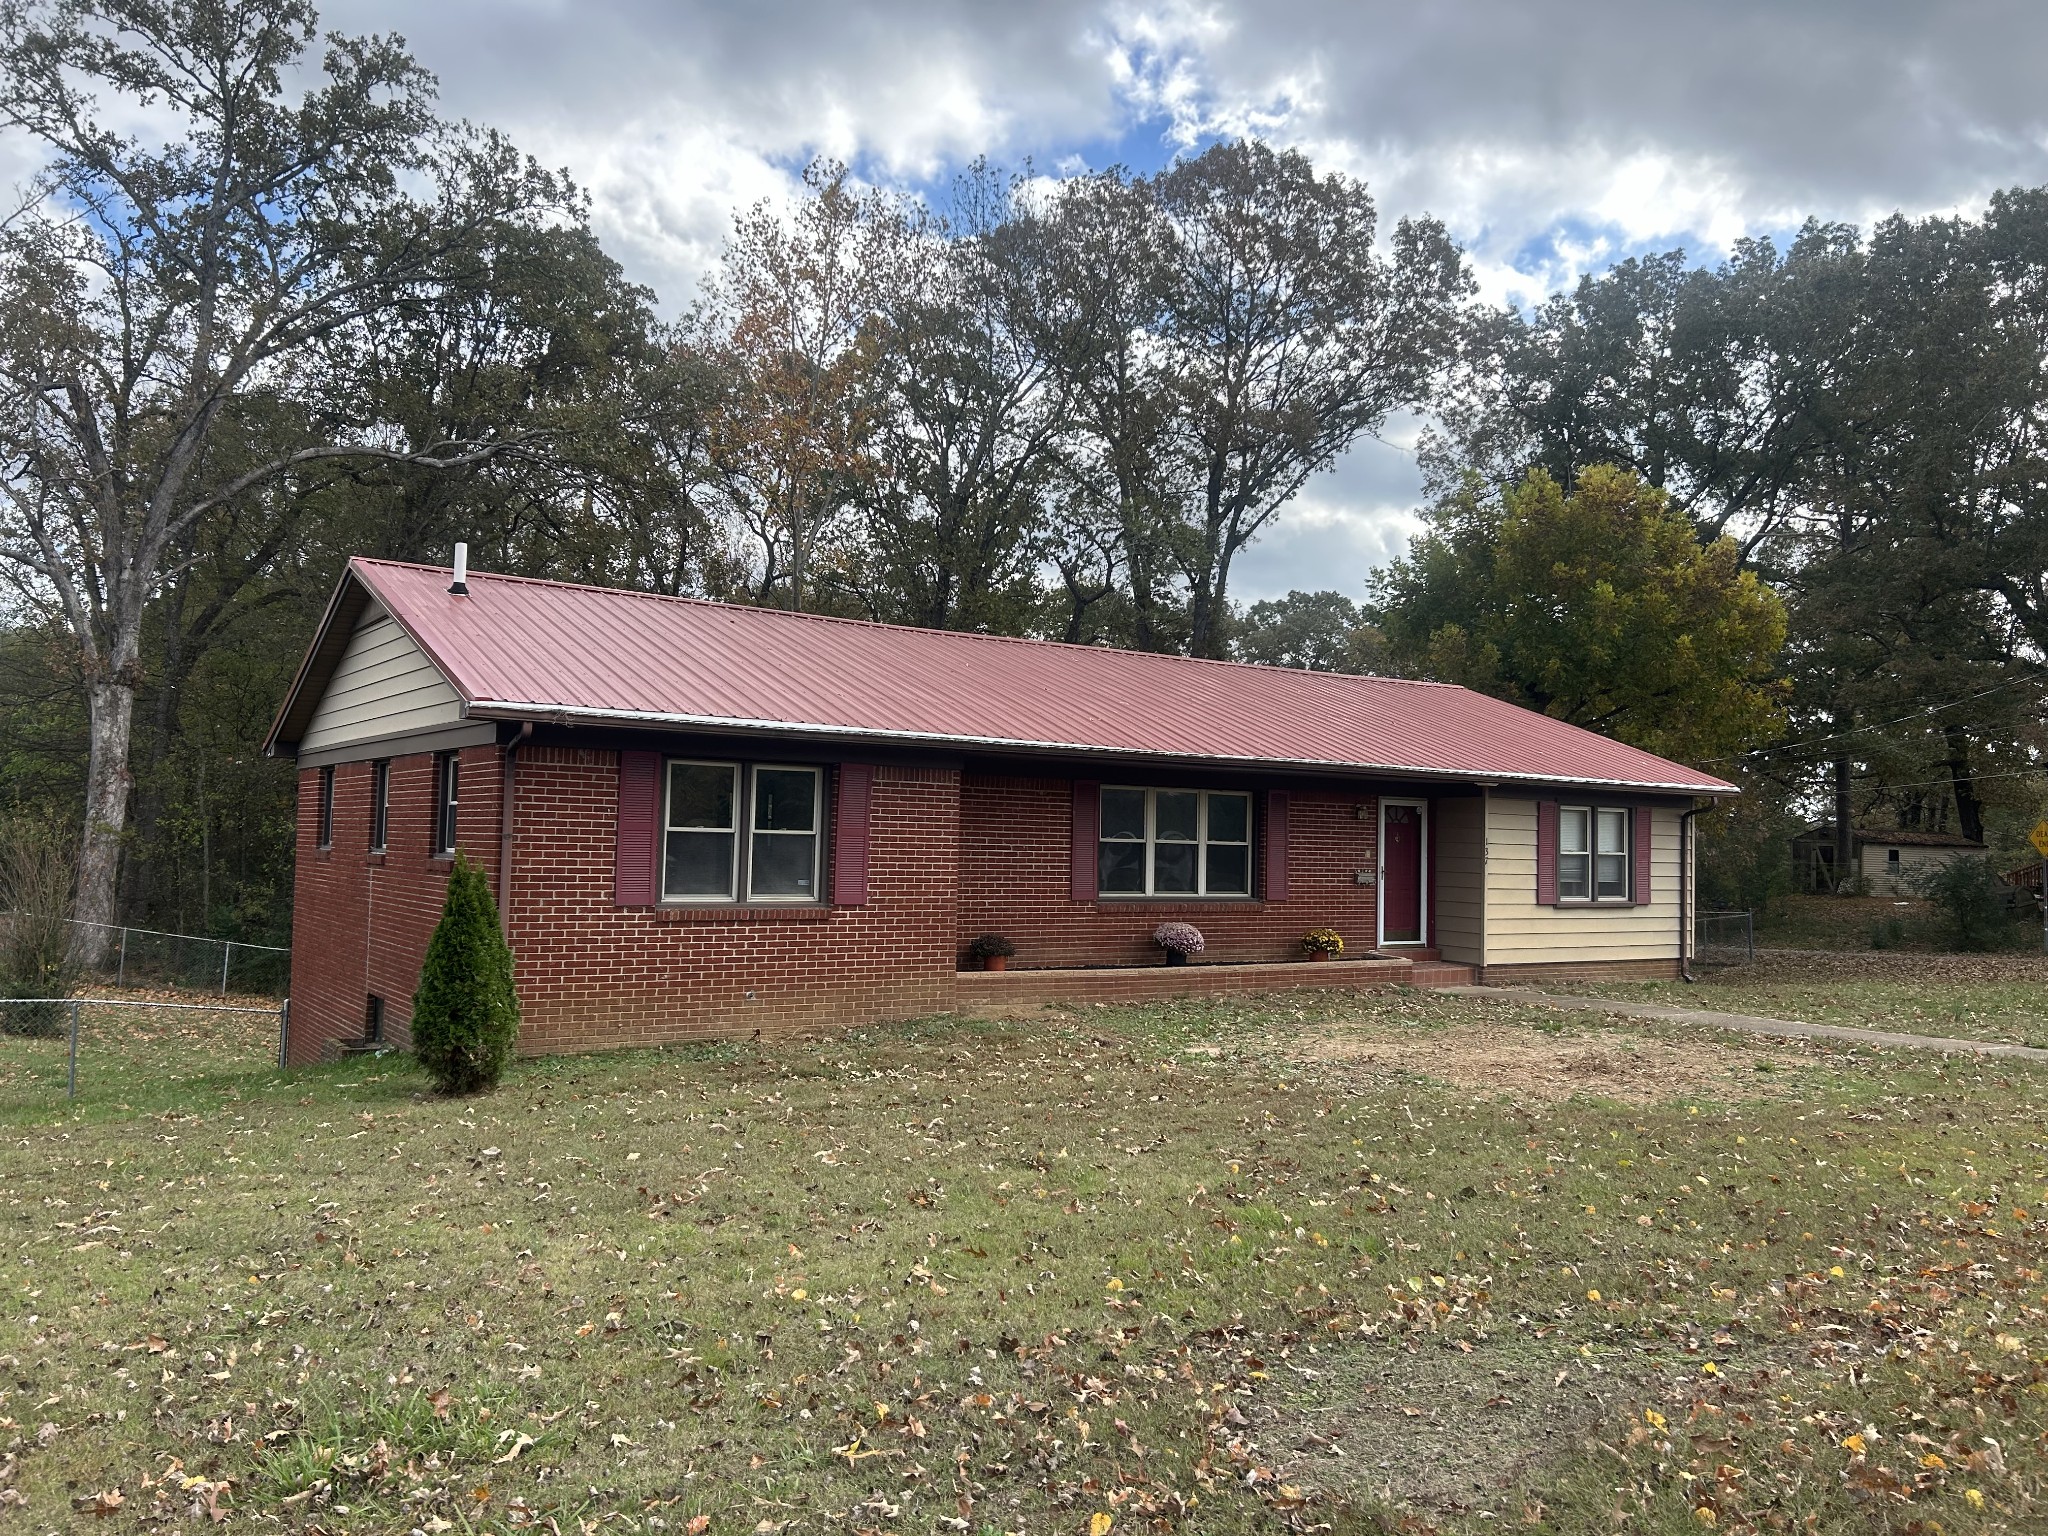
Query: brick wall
[361,920]
[1016,837]
[593,975]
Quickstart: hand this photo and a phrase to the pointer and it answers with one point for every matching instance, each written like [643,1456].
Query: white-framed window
[380,804]
[447,802]
[1174,842]
[324,832]
[1593,862]
[706,808]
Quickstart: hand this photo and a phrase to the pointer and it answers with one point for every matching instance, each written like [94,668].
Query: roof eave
[561,714]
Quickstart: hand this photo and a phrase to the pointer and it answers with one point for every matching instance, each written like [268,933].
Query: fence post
[71,1076]
[227,952]
[121,975]
[284,1032]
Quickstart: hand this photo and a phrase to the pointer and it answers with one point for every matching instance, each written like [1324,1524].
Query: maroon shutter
[1639,852]
[1087,833]
[1546,853]
[1276,845]
[850,835]
[633,879]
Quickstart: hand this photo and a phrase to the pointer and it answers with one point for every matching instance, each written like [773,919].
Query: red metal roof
[519,648]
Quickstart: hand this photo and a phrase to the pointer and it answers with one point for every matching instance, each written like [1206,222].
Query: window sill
[810,912]
[375,857]
[1116,899]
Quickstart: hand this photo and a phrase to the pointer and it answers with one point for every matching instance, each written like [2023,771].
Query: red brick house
[708,819]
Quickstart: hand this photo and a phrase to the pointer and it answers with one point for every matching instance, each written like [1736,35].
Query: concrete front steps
[1146,983]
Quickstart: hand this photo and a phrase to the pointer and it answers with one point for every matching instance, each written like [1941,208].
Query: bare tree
[1288,337]
[164,292]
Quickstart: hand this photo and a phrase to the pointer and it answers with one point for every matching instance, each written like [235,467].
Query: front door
[1401,858]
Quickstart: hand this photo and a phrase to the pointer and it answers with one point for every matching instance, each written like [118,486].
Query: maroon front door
[1401,876]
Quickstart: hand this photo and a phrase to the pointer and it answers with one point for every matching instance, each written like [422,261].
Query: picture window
[1174,842]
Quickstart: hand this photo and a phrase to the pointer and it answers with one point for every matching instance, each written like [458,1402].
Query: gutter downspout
[1685,881]
[505,808]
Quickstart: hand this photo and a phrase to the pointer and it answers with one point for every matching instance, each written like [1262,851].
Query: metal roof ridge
[721,605]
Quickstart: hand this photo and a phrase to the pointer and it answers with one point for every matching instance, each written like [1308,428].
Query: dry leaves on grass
[1536,1066]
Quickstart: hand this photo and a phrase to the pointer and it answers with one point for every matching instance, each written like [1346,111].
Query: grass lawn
[1404,1262]
[1977,997]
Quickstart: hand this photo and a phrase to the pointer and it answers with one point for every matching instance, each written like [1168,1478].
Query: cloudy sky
[1552,138]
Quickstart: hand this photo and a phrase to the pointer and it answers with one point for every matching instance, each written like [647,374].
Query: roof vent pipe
[460,585]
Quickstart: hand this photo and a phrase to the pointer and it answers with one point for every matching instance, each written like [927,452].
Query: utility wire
[1821,741]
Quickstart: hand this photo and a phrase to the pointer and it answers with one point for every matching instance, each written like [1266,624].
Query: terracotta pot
[1319,954]
[996,963]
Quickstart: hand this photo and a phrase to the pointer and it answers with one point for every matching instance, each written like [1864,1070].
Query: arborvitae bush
[465,1015]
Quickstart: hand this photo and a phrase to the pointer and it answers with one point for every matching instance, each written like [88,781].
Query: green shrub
[1980,911]
[465,1015]
[36,866]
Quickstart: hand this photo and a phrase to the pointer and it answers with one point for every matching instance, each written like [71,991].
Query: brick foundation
[1133,984]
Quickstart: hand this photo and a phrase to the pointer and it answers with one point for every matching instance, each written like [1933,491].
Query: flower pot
[1175,957]
[996,963]
[1319,954]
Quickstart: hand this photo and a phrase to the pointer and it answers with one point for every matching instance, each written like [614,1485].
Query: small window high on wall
[1174,842]
[447,799]
[324,832]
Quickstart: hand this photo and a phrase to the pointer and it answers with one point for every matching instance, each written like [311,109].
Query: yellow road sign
[2039,838]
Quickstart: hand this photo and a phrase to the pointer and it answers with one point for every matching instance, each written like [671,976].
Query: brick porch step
[1440,973]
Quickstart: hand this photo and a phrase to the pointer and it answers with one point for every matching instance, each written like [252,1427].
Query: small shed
[1891,861]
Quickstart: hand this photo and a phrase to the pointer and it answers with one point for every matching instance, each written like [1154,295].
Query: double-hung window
[447,798]
[1174,842]
[324,832]
[380,804]
[733,828]
[1592,853]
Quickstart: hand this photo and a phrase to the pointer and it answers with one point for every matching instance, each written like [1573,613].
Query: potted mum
[993,951]
[1322,943]
[1179,940]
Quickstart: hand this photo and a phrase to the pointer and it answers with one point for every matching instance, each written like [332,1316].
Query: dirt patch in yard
[1538,1066]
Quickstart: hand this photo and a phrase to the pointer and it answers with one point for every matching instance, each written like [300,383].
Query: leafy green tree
[1601,607]
[1317,631]
[465,1015]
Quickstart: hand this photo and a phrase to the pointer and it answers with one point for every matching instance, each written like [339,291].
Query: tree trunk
[1845,844]
[1969,808]
[107,785]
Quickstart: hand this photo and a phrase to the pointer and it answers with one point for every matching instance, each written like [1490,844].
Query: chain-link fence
[1724,938]
[131,1049]
[149,957]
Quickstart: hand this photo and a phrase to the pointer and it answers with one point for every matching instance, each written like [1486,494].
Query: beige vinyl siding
[1460,847]
[1519,932]
[1916,863]
[384,685]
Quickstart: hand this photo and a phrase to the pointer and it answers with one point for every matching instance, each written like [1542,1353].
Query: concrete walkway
[1790,1029]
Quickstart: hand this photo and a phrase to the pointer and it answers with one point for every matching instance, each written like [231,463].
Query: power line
[1821,741]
